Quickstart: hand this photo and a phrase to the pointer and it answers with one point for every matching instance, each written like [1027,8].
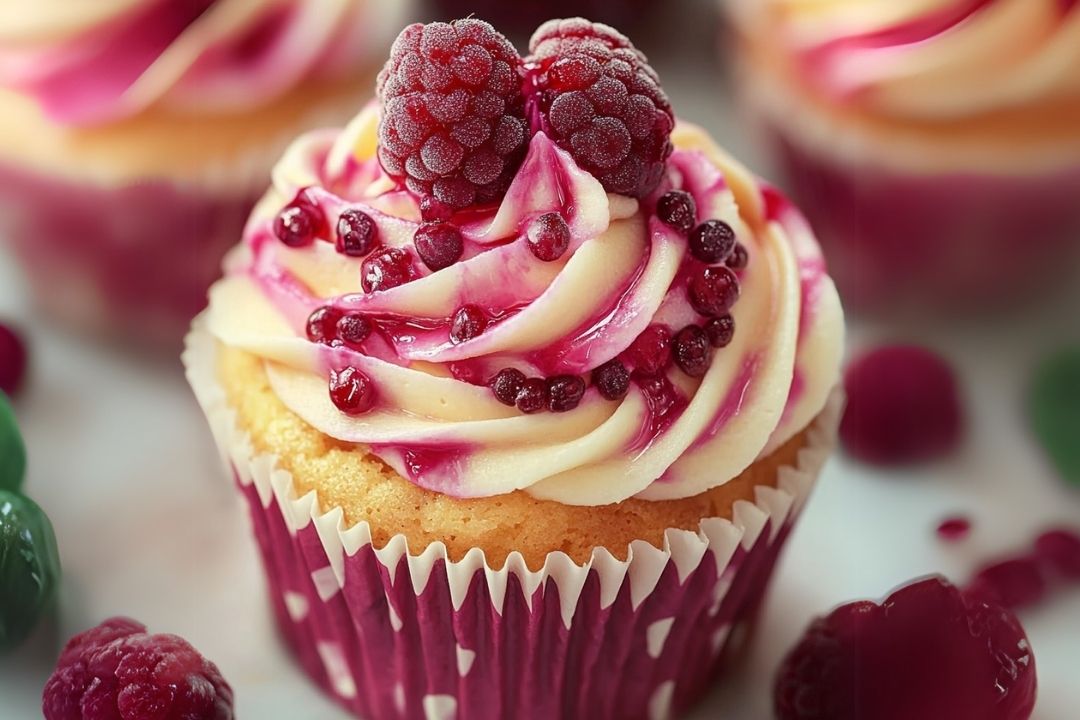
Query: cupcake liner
[907,224]
[134,257]
[397,633]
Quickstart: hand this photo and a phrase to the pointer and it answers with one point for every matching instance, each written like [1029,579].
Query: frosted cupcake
[522,381]
[933,145]
[136,136]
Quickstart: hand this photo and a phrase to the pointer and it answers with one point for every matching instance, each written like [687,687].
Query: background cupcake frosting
[925,68]
[106,61]
[439,425]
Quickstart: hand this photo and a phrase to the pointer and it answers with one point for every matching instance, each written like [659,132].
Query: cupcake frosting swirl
[931,60]
[88,63]
[438,424]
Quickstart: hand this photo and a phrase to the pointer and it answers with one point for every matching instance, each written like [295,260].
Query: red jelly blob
[903,406]
[927,651]
[1016,582]
[953,529]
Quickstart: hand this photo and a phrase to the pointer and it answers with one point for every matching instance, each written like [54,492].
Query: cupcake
[522,380]
[137,135]
[933,145]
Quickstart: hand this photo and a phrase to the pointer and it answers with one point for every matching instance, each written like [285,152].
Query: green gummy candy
[12,451]
[29,567]
[1055,411]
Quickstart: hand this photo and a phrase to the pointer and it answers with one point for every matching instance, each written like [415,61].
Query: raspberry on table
[928,651]
[117,671]
[597,97]
[453,124]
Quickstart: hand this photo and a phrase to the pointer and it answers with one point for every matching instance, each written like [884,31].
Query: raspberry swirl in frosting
[930,59]
[94,62]
[410,375]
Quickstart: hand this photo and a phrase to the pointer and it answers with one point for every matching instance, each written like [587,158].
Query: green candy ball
[12,451]
[1055,411]
[29,567]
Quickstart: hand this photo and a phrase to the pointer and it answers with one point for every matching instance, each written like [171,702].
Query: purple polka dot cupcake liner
[400,632]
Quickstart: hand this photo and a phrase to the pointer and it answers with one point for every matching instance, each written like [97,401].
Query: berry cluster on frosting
[460,107]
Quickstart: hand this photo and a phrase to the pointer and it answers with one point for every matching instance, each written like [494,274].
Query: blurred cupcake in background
[934,145]
[522,16]
[136,135]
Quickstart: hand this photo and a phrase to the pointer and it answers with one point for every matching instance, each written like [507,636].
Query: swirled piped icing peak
[88,63]
[576,343]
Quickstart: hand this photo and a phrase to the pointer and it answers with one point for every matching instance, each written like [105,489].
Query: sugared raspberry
[351,391]
[548,237]
[322,324]
[564,392]
[507,384]
[597,97]
[712,241]
[12,360]
[651,350]
[902,406]
[677,209]
[720,330]
[453,123]
[468,322]
[611,379]
[117,671]
[438,244]
[691,350]
[927,651]
[357,233]
[713,290]
[532,396]
[386,269]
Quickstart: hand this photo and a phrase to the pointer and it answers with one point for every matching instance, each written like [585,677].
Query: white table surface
[148,525]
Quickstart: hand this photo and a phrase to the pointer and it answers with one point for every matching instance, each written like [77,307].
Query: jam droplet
[357,233]
[954,529]
[298,223]
[351,391]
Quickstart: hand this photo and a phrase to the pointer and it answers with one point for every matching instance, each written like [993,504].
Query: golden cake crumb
[348,476]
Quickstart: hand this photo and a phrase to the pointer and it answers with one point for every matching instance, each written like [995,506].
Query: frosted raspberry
[927,651]
[453,123]
[597,97]
[117,671]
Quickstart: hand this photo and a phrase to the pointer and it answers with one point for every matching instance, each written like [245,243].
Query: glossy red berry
[721,330]
[612,380]
[357,233]
[322,324]
[739,257]
[453,123]
[507,384]
[677,209]
[532,397]
[438,244]
[651,350]
[596,96]
[468,322]
[712,241]
[691,350]
[713,290]
[353,328]
[351,391]
[548,237]
[298,224]
[565,392]
[386,269]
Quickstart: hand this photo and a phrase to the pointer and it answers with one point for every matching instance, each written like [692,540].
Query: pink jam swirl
[930,60]
[197,56]
[436,422]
